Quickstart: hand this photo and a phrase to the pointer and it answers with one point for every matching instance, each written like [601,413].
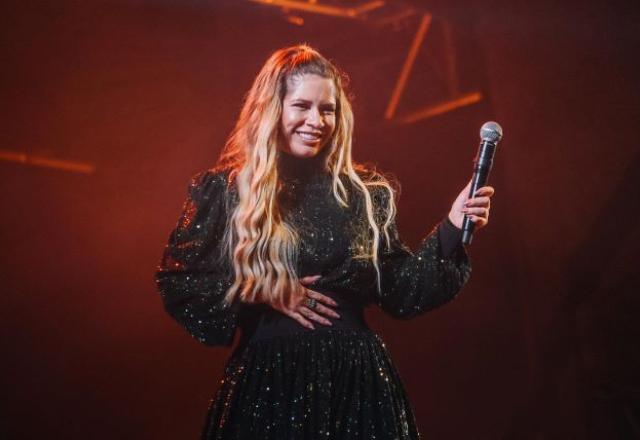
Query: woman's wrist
[454,220]
[450,237]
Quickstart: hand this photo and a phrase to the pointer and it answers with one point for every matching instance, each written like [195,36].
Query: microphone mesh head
[491,132]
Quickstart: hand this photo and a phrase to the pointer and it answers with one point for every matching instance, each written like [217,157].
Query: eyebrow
[306,101]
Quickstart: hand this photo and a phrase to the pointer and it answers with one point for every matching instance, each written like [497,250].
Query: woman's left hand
[477,208]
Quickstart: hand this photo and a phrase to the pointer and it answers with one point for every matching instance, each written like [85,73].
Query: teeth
[308,136]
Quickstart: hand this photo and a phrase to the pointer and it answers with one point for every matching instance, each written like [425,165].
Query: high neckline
[291,168]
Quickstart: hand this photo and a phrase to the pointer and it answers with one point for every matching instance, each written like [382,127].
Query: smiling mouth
[309,136]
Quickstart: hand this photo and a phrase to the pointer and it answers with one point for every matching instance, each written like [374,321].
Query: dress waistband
[273,323]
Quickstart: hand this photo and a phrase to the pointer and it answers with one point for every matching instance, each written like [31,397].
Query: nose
[314,118]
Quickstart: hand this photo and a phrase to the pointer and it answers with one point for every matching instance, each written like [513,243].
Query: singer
[288,239]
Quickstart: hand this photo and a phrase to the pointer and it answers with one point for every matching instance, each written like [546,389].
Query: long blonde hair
[261,245]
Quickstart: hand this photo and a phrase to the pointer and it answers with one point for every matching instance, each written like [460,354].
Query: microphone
[490,135]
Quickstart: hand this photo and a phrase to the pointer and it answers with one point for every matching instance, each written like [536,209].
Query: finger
[485,191]
[320,297]
[310,279]
[478,201]
[480,212]
[478,221]
[302,320]
[319,308]
[310,314]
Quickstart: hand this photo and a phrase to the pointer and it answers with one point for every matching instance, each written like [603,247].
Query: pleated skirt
[333,384]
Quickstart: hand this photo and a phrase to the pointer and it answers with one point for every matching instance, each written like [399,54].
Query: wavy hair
[262,247]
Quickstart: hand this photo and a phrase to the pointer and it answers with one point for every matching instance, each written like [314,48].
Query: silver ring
[311,303]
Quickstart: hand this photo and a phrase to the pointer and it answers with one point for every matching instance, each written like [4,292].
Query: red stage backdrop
[109,107]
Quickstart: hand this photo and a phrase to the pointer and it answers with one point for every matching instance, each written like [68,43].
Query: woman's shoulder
[211,180]
[379,183]
[211,176]
[211,187]
[370,174]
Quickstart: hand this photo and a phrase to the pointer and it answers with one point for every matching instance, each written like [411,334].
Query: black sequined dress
[284,381]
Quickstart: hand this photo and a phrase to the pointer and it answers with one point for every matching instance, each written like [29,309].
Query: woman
[289,240]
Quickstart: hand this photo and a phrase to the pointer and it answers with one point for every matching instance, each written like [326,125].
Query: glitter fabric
[284,381]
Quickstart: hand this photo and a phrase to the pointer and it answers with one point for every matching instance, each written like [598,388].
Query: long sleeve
[193,276]
[415,282]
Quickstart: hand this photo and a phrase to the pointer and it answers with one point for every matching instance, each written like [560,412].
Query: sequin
[284,381]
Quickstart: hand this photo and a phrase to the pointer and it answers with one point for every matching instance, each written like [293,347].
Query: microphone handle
[482,167]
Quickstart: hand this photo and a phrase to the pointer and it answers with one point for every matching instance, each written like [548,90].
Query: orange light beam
[334,11]
[408,66]
[450,59]
[46,162]
[368,7]
[438,109]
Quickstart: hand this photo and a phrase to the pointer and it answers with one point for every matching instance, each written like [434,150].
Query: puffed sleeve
[193,275]
[416,282]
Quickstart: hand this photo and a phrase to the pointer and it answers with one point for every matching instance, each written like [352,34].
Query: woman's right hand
[300,311]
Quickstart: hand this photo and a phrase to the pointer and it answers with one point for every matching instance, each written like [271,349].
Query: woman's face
[308,115]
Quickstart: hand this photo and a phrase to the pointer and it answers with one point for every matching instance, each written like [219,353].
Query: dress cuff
[450,237]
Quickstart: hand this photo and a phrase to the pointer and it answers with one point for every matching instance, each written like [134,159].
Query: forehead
[310,87]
